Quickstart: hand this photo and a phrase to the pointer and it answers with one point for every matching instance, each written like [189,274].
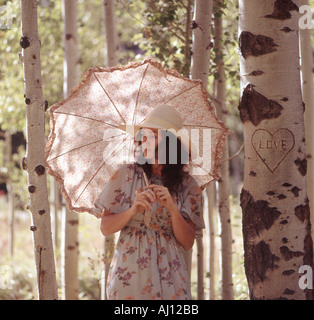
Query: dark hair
[173,172]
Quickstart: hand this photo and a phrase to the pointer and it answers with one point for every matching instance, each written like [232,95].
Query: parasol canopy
[87,144]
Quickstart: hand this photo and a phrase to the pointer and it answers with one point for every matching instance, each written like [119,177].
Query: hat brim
[132,130]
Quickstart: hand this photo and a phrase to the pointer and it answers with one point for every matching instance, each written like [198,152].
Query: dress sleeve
[192,206]
[115,196]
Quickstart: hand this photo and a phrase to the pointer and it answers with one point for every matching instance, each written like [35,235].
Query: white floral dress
[148,261]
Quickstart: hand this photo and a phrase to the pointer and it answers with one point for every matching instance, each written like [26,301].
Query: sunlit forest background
[145,28]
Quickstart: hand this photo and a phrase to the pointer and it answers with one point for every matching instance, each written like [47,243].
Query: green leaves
[167,33]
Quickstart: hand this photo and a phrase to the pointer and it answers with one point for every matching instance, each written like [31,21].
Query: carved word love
[272,148]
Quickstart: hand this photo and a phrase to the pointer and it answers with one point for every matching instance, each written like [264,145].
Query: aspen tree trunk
[199,70]
[111,61]
[8,156]
[112,44]
[211,201]
[307,68]
[55,207]
[200,267]
[187,48]
[34,161]
[223,183]
[276,213]
[70,242]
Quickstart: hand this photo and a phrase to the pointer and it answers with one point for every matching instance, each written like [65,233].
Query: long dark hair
[173,172]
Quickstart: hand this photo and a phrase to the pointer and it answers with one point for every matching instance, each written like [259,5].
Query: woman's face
[151,139]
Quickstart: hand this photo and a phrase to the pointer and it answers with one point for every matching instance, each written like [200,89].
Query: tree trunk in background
[201,28]
[109,245]
[307,68]
[187,47]
[34,161]
[200,267]
[11,195]
[223,183]
[55,208]
[70,242]
[276,213]
[212,232]
[112,44]
[111,61]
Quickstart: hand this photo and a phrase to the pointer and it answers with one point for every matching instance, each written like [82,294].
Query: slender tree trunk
[69,255]
[199,70]
[109,245]
[112,47]
[201,29]
[34,161]
[276,213]
[55,208]
[70,245]
[212,232]
[307,68]
[223,184]
[187,49]
[200,267]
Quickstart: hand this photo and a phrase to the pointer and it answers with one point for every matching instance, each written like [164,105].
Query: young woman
[148,262]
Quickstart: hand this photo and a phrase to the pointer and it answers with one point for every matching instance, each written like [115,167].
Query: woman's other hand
[143,201]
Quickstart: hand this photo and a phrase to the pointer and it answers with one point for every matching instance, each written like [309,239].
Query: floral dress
[148,262]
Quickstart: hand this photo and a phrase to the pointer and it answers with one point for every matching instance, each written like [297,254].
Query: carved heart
[272,148]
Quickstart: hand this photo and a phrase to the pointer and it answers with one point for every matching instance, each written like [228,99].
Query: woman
[148,262]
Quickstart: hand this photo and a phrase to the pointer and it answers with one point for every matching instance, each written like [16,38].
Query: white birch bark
[34,161]
[212,233]
[70,244]
[200,267]
[307,68]
[199,70]
[276,214]
[55,208]
[223,183]
[112,45]
[201,40]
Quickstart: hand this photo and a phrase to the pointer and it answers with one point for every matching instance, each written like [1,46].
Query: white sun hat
[164,117]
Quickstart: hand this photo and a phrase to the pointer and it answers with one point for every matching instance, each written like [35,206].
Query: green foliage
[91,32]
[165,31]
[229,55]
[51,50]
[12,111]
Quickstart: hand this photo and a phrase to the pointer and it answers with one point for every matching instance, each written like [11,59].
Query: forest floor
[18,274]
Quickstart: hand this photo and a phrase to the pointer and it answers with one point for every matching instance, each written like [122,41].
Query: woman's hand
[143,201]
[162,194]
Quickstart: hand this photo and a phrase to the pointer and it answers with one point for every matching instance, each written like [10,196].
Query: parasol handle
[147,212]
[145,179]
